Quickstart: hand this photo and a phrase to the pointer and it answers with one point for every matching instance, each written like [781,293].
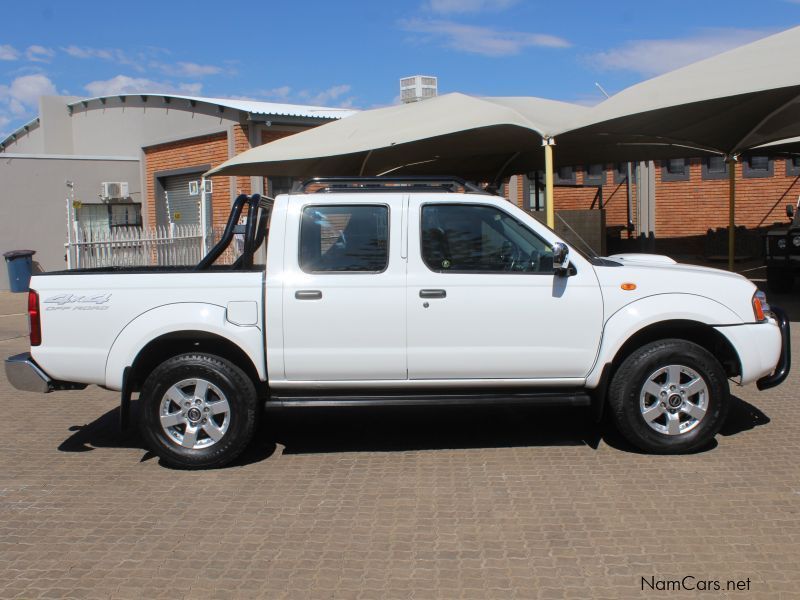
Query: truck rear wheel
[198,411]
[780,280]
[669,397]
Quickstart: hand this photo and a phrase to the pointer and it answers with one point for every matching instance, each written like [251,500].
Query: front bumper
[24,374]
[785,361]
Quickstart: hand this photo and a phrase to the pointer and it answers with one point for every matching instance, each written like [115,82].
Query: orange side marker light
[628,287]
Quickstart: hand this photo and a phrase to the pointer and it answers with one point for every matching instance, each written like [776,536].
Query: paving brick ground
[437,503]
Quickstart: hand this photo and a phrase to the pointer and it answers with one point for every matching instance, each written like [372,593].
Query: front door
[483,301]
[344,291]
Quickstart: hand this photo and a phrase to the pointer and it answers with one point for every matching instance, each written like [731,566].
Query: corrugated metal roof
[254,107]
[249,106]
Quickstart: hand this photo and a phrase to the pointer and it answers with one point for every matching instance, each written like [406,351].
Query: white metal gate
[175,245]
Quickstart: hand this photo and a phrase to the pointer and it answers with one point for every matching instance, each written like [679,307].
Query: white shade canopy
[454,134]
[728,103]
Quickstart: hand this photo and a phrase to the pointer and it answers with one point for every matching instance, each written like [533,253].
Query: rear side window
[480,239]
[344,239]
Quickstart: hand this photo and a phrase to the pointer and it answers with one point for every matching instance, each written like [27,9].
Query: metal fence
[174,245]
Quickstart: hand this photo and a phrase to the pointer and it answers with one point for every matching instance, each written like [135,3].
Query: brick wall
[690,208]
[686,210]
[241,142]
[200,151]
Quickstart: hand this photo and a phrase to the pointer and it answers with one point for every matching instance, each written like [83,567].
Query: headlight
[760,306]
[782,243]
[796,241]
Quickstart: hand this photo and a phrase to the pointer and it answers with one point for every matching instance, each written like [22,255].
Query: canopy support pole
[499,177]
[364,163]
[731,160]
[548,144]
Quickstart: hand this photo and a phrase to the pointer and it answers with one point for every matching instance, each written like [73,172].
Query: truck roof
[332,185]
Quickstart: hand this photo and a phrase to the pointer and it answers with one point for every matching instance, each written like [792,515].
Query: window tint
[480,239]
[714,167]
[675,169]
[793,166]
[757,166]
[565,175]
[344,238]
[594,175]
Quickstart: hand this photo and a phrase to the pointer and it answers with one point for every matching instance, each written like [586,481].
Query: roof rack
[328,185]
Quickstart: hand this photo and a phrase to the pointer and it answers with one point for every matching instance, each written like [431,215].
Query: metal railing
[174,245]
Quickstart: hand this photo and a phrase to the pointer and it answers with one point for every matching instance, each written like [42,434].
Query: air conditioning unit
[113,190]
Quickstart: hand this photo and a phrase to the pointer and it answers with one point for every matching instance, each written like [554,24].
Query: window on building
[715,167]
[757,166]
[675,169]
[344,239]
[594,175]
[564,175]
[621,172]
[793,166]
[480,239]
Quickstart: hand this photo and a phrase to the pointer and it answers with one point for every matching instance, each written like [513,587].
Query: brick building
[132,159]
[690,201]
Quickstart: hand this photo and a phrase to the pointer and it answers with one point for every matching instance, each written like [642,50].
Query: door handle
[432,294]
[308,295]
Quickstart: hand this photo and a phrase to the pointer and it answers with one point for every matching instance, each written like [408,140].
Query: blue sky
[341,53]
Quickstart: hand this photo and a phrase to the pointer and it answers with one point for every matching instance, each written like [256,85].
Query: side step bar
[550,398]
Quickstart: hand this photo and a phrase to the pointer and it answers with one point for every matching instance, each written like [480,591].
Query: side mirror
[790,211]
[560,258]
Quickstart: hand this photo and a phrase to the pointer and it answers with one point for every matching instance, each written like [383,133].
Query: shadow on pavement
[397,429]
[742,416]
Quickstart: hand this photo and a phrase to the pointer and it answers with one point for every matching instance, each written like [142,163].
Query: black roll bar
[254,231]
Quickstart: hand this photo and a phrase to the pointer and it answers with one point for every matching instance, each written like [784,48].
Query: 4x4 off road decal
[76,302]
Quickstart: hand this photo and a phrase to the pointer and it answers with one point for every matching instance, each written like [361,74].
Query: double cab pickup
[357,292]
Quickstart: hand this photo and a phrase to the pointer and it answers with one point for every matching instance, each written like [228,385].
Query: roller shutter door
[183,207]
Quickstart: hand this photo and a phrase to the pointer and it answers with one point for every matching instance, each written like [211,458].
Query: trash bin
[20,265]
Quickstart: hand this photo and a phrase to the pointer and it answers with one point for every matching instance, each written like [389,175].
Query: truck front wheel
[669,397]
[198,411]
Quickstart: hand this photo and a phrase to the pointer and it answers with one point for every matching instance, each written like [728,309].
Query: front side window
[344,239]
[480,239]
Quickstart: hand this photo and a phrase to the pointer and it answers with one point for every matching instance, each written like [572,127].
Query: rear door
[344,313]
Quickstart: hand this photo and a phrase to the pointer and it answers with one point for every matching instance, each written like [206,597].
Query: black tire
[239,391]
[629,380]
[780,280]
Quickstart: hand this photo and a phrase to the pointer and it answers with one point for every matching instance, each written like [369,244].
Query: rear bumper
[24,374]
[785,361]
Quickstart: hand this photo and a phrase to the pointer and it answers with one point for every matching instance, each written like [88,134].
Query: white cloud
[278,93]
[188,69]
[8,52]
[23,94]
[85,52]
[20,98]
[653,57]
[122,84]
[141,61]
[39,53]
[328,96]
[475,39]
[447,7]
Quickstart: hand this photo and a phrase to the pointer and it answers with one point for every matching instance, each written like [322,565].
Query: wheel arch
[177,325]
[681,316]
[702,334]
[175,343]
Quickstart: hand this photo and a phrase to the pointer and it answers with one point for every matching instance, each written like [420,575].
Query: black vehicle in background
[783,253]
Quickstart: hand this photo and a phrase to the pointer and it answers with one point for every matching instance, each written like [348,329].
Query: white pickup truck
[425,291]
